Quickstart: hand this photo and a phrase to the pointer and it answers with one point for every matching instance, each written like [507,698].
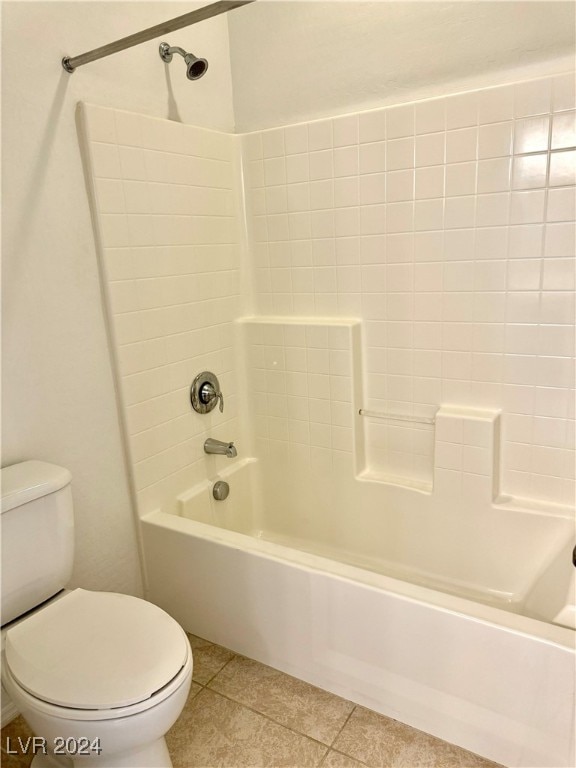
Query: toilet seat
[96,655]
[63,714]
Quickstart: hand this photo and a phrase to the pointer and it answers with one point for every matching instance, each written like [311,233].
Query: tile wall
[447,227]
[165,205]
[302,378]
[302,374]
[467,441]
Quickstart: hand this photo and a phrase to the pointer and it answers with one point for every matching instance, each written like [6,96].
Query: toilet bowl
[101,677]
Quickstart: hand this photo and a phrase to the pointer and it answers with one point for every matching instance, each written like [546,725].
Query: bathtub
[441,621]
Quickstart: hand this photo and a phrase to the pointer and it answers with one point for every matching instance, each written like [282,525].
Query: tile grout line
[328,746]
[333,749]
[360,762]
[205,685]
[229,697]
[269,718]
[354,707]
[257,712]
[323,758]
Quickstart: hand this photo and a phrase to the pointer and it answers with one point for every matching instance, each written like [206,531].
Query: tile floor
[242,713]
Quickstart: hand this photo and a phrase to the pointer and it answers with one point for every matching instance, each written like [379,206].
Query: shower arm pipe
[70,63]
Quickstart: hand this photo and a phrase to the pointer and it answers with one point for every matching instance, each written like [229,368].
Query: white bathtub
[341,602]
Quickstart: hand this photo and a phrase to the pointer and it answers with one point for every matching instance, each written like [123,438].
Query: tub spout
[219,447]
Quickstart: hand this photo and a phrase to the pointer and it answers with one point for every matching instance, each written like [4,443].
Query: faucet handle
[208,393]
[205,393]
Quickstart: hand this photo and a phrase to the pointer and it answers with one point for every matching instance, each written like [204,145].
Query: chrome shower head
[195,67]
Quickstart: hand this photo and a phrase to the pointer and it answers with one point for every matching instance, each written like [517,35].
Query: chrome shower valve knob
[208,393]
[205,393]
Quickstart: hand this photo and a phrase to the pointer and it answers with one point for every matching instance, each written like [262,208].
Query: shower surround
[415,263]
[446,226]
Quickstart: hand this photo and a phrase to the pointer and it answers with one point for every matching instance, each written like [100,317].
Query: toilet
[99,676]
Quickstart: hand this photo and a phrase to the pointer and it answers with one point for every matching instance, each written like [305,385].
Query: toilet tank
[37,527]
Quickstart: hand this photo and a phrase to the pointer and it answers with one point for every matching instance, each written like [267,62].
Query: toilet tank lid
[29,480]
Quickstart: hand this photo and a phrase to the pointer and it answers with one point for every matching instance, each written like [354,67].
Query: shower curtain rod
[70,63]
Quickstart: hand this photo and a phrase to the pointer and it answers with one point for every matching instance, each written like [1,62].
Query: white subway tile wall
[447,226]
[165,203]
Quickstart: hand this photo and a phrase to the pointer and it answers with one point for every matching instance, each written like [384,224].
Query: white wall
[295,61]
[58,391]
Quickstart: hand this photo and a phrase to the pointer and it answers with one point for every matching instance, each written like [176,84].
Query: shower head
[195,67]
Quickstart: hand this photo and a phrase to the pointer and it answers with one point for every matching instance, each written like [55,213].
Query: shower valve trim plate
[205,393]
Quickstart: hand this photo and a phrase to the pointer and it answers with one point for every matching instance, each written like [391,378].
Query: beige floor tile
[10,733]
[338,760]
[208,659]
[194,691]
[214,732]
[381,742]
[285,699]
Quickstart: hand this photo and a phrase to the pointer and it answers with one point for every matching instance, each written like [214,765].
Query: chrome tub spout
[220,448]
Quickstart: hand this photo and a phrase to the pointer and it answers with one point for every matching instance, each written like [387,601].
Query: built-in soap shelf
[390,416]
[458,452]
[395,446]
[372,476]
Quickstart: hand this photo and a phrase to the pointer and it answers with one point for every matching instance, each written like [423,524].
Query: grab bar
[430,420]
